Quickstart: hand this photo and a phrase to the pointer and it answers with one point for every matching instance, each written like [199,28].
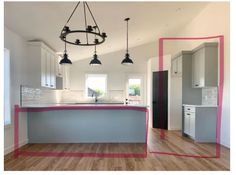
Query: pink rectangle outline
[17,152]
[220,92]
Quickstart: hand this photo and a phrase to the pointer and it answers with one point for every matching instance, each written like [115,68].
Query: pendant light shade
[65,60]
[127,60]
[95,61]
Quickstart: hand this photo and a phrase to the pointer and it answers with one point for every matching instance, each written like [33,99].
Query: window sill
[7,126]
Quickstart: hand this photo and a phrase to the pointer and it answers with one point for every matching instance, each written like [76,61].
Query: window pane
[134,88]
[7,104]
[96,85]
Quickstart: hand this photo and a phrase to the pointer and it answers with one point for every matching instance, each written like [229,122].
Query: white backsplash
[37,96]
[209,96]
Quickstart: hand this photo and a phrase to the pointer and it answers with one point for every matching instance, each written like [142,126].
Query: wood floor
[173,143]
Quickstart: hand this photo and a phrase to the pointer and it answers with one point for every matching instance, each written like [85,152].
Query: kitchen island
[87,123]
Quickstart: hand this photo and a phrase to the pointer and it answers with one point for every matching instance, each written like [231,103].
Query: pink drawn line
[77,154]
[17,152]
[16,133]
[220,89]
[181,155]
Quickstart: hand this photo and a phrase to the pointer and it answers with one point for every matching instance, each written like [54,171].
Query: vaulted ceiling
[149,21]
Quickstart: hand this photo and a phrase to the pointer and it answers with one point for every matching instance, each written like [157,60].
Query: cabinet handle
[46,84]
[188,109]
[188,114]
[196,85]
[175,72]
[51,85]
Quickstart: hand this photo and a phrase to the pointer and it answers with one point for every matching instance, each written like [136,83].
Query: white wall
[17,47]
[111,65]
[213,20]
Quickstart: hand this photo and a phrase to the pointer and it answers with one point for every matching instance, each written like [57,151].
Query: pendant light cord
[127,48]
[65,46]
[85,22]
[72,12]
[95,51]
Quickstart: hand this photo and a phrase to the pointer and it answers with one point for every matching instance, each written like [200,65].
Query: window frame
[95,75]
[7,62]
[135,76]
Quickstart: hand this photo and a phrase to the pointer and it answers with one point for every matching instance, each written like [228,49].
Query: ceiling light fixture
[65,60]
[95,61]
[127,60]
[84,32]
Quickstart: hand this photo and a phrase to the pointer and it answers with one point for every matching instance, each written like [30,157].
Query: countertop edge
[201,106]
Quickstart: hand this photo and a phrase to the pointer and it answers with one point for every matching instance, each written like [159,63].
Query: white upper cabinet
[205,66]
[176,66]
[58,67]
[42,61]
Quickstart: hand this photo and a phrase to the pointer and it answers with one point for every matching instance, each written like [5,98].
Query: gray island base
[87,126]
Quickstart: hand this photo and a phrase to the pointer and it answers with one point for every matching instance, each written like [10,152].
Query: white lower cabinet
[189,123]
[192,125]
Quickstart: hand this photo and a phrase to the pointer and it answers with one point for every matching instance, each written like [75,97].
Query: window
[7,104]
[96,85]
[135,90]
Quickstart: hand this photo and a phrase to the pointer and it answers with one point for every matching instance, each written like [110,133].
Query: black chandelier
[87,31]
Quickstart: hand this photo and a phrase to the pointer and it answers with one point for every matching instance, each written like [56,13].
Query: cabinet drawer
[189,109]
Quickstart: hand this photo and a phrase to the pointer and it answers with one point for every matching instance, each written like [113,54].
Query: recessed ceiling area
[149,21]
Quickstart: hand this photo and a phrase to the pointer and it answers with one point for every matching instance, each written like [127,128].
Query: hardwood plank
[174,142]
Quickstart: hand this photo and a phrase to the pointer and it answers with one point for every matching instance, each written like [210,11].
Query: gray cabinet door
[205,66]
[198,68]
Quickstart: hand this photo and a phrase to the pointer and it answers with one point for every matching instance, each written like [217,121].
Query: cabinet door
[192,125]
[187,123]
[179,65]
[58,67]
[174,67]
[52,71]
[43,67]
[48,69]
[198,68]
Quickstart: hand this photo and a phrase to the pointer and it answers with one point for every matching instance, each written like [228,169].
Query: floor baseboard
[11,148]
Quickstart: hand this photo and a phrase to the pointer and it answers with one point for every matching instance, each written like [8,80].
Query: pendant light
[65,60]
[95,61]
[127,60]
